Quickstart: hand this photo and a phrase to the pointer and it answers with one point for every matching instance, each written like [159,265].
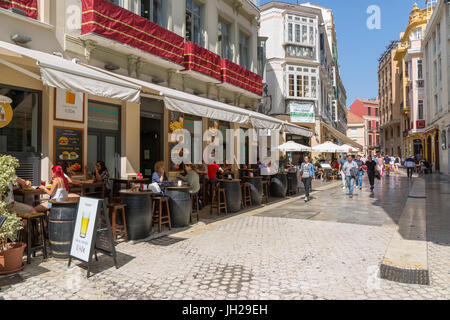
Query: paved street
[329,248]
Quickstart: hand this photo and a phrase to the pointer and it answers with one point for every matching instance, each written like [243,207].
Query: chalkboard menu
[69,148]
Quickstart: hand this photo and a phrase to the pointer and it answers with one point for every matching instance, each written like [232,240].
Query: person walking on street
[351,173]
[380,164]
[342,161]
[387,164]
[306,174]
[360,164]
[371,168]
[410,165]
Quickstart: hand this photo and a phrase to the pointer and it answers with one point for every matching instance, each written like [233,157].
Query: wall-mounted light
[18,11]
[20,38]
[157,80]
[111,66]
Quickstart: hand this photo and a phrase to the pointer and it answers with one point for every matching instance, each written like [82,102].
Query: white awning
[297,130]
[67,75]
[201,110]
[180,101]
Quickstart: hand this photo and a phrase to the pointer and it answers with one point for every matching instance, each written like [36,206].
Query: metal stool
[37,218]
[246,195]
[157,212]
[219,200]
[195,205]
[116,228]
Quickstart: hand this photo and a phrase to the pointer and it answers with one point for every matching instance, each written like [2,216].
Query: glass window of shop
[20,129]
[190,122]
[104,136]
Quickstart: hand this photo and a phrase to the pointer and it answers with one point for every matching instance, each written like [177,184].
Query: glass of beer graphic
[84,224]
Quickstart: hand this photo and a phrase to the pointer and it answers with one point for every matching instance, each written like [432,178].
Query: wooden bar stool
[158,212]
[266,189]
[118,229]
[195,206]
[219,200]
[246,195]
[34,222]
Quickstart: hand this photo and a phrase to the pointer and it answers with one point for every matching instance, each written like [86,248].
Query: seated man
[14,206]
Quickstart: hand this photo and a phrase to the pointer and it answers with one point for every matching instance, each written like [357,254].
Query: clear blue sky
[359,48]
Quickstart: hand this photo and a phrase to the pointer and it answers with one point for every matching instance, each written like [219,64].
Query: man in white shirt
[351,172]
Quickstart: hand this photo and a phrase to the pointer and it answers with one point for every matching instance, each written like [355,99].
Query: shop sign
[69,106]
[302,112]
[69,147]
[92,231]
[6,111]
[420,124]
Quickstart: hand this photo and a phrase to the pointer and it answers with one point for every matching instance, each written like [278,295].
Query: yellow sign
[6,112]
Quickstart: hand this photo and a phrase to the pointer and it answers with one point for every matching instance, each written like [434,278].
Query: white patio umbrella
[327,147]
[349,148]
[292,146]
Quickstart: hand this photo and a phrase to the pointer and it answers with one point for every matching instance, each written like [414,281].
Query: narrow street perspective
[329,248]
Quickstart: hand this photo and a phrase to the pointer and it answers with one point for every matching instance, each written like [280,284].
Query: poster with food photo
[69,148]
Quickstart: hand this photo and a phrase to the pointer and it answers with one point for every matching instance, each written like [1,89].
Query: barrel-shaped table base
[292,182]
[60,228]
[138,214]
[180,206]
[233,195]
[256,189]
[278,185]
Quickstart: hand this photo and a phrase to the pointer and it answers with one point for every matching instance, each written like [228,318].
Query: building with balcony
[302,70]
[436,48]
[409,56]
[368,110]
[137,70]
[390,104]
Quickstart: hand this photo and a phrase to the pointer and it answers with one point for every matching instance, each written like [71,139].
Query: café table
[138,212]
[256,189]
[61,223]
[278,185]
[180,205]
[85,187]
[245,172]
[232,193]
[30,196]
[117,182]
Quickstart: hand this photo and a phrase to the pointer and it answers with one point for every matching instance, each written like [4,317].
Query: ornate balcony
[27,6]
[241,77]
[199,59]
[113,22]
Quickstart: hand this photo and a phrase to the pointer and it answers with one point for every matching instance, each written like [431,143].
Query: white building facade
[302,72]
[436,47]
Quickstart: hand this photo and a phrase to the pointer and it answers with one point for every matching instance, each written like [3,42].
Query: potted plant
[10,252]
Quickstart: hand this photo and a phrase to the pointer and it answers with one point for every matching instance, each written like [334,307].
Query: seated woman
[159,175]
[68,173]
[101,174]
[59,190]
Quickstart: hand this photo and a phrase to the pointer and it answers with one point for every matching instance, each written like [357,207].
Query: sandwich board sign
[92,232]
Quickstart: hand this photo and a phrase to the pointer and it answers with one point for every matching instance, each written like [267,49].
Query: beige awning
[342,137]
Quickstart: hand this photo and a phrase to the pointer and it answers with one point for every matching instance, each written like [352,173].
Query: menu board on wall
[69,147]
[69,106]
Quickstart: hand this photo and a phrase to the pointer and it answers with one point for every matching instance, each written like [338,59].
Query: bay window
[302,82]
[194,22]
[305,30]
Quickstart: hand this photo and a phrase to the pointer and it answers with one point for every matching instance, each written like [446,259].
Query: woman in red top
[212,172]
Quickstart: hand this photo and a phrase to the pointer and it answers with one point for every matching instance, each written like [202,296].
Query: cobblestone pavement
[329,248]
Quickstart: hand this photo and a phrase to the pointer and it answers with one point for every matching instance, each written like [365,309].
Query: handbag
[377,175]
